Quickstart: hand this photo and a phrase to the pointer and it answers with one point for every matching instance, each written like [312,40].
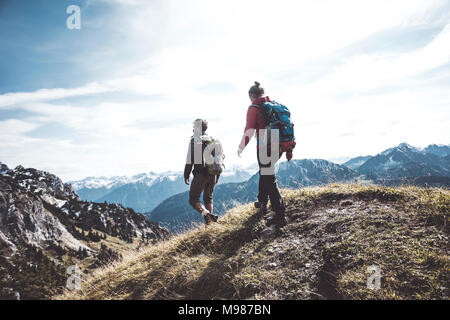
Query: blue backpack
[277,116]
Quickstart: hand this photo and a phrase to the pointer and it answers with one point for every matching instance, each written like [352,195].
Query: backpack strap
[263,111]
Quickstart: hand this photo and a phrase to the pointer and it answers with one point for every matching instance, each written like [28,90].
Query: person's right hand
[289,155]
[186,181]
[239,152]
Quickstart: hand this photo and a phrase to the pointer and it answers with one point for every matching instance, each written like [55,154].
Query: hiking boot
[279,220]
[208,219]
[262,207]
[214,217]
[210,208]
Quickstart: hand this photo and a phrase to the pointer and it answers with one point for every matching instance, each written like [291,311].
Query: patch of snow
[53,201]
[10,245]
[172,178]
[118,181]
[103,219]
[390,163]
[150,178]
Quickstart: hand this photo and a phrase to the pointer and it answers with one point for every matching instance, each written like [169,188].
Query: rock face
[142,192]
[24,218]
[42,220]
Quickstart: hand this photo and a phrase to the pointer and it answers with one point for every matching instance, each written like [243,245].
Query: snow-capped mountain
[145,191]
[165,194]
[311,172]
[117,181]
[357,162]
[398,165]
[438,150]
[43,220]
[405,161]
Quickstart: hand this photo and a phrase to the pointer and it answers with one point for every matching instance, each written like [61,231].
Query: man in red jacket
[268,188]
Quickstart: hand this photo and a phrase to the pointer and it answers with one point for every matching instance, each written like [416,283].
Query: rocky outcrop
[43,220]
[24,218]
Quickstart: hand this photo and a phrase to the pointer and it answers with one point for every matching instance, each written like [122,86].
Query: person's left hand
[186,181]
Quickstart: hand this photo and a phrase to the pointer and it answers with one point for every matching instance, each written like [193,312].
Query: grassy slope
[114,243]
[334,233]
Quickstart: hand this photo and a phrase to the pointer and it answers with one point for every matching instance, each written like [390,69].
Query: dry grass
[334,234]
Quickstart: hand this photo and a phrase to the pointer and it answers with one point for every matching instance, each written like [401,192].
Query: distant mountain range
[143,192]
[163,196]
[402,164]
[406,162]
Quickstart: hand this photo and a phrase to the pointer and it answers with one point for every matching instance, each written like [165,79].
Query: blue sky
[118,97]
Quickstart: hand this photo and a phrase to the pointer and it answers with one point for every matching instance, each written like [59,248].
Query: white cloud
[12,134]
[14,99]
[183,46]
[369,72]
[14,126]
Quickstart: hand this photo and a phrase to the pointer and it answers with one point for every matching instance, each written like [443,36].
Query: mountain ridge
[399,165]
[143,192]
[45,227]
[404,161]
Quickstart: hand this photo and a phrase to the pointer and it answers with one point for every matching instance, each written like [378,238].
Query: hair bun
[256,89]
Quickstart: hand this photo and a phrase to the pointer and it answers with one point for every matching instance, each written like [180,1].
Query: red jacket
[255,121]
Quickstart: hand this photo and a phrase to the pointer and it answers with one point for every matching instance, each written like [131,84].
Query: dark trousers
[268,188]
[202,183]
